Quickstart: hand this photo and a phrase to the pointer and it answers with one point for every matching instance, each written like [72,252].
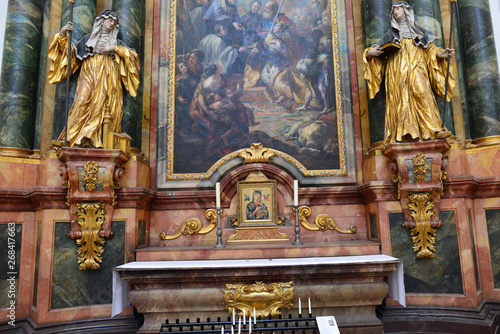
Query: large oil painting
[243,72]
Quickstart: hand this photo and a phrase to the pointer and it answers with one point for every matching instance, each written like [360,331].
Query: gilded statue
[105,63]
[411,74]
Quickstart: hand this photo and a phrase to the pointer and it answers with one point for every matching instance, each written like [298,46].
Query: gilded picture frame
[257,203]
[312,141]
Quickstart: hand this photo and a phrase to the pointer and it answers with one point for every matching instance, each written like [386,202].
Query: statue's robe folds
[99,87]
[411,75]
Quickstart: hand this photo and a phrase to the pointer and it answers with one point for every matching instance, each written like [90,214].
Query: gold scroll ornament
[267,299]
[322,222]
[421,208]
[90,217]
[193,226]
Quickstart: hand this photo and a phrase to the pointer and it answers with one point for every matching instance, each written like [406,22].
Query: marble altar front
[348,287]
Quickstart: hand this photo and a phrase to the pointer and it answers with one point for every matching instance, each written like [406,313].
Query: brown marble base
[349,291]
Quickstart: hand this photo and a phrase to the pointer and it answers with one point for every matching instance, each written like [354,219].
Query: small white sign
[327,325]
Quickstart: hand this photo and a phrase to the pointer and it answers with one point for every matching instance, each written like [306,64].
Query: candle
[232,329]
[254,317]
[239,325]
[296,193]
[244,317]
[234,320]
[222,330]
[300,307]
[217,195]
[250,324]
[309,304]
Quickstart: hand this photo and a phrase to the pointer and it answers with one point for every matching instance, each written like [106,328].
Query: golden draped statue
[411,75]
[105,62]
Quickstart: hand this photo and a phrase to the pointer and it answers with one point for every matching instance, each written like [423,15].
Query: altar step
[257,251]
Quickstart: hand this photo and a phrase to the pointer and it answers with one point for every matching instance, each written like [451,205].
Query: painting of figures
[251,71]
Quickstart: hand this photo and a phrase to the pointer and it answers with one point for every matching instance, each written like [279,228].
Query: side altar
[347,287]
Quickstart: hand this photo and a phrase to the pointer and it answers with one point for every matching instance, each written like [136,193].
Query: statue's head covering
[98,29]
[408,20]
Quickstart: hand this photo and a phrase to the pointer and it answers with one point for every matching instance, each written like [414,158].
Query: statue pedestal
[91,177]
[419,170]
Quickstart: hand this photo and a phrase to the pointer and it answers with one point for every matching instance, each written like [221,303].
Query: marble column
[481,67]
[42,74]
[84,13]
[19,73]
[376,23]
[131,19]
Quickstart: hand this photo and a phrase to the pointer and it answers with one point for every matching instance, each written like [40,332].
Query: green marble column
[376,23]
[131,19]
[41,74]
[481,67]
[19,73]
[84,13]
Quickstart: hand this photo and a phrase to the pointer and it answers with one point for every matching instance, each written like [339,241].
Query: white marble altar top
[307,261]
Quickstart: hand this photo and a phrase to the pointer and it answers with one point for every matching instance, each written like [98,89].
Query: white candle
[295,192]
[250,324]
[217,195]
[254,317]
[239,324]
[222,330]
[232,329]
[234,320]
[309,302]
[300,307]
[244,318]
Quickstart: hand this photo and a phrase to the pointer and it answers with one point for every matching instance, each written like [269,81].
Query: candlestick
[219,229]
[295,193]
[234,320]
[254,317]
[217,195]
[239,325]
[300,307]
[297,226]
[250,324]
[244,318]
[309,304]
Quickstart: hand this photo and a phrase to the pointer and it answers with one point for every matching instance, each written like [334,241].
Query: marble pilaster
[84,12]
[376,23]
[493,223]
[73,287]
[483,80]
[19,72]
[441,274]
[131,19]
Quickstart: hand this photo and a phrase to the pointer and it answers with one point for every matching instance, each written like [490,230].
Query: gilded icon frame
[246,191]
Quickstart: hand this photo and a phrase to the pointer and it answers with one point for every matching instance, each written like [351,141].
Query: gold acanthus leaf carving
[267,299]
[90,216]
[322,222]
[421,209]
[193,226]
[257,154]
